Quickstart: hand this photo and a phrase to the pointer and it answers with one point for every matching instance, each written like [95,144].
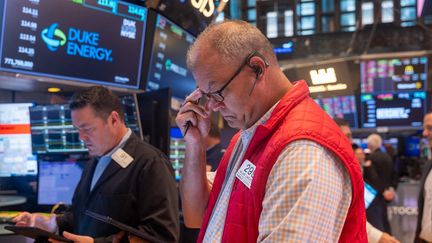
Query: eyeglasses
[217,95]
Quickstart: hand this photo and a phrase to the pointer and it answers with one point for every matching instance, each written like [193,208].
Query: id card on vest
[246,172]
[122,158]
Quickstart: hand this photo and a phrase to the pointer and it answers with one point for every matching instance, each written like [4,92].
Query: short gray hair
[233,40]
[374,141]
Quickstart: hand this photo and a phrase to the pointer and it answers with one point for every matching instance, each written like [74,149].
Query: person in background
[374,235]
[214,148]
[383,164]
[127,179]
[424,220]
[289,175]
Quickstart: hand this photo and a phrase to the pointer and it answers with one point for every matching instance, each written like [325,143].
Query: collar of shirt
[246,135]
[120,145]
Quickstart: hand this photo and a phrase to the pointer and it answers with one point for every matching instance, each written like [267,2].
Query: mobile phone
[369,194]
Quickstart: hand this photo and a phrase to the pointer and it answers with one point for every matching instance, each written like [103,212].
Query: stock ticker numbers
[70,40]
[26,37]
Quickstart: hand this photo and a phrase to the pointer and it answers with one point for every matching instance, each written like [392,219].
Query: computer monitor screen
[16,158]
[57,181]
[168,61]
[404,109]
[90,41]
[191,15]
[177,150]
[52,130]
[394,74]
[341,107]
[130,112]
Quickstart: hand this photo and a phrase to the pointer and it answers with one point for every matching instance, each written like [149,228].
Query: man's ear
[114,117]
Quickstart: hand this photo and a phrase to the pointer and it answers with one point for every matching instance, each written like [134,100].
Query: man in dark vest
[289,175]
[128,179]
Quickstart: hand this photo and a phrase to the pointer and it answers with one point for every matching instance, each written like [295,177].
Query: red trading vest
[296,117]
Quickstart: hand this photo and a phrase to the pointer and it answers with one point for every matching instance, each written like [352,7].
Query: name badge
[246,173]
[122,158]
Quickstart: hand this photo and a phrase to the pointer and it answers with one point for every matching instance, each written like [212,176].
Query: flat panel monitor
[177,151]
[394,74]
[52,130]
[57,181]
[403,109]
[131,119]
[341,107]
[90,41]
[191,15]
[16,158]
[168,61]
[330,79]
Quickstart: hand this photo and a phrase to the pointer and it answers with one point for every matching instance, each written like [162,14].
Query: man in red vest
[289,175]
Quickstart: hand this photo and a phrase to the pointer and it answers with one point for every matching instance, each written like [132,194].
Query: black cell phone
[36,233]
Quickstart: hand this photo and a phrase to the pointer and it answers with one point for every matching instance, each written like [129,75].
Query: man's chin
[233,124]
[92,153]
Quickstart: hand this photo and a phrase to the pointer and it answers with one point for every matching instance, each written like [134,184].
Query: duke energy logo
[53,37]
[80,43]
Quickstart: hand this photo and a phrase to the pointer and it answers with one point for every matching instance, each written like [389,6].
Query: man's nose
[82,136]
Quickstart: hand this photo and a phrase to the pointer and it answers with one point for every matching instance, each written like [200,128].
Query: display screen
[395,74]
[393,109]
[130,112]
[369,194]
[341,107]
[191,15]
[328,80]
[16,157]
[90,41]
[57,181]
[177,150]
[52,130]
[168,61]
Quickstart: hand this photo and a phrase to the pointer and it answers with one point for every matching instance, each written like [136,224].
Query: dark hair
[341,122]
[100,99]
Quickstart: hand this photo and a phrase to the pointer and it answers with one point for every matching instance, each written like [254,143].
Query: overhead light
[54,90]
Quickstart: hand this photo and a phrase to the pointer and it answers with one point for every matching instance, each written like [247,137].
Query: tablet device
[369,194]
[36,233]
[142,234]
